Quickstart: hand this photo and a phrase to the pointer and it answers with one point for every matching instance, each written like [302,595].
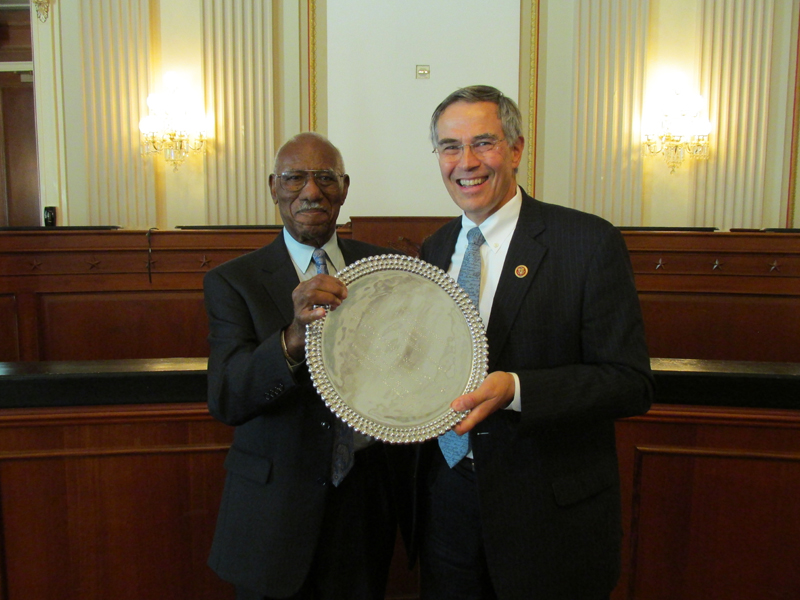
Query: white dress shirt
[497,230]
[301,256]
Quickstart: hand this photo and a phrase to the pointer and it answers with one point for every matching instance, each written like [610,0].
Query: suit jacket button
[326,425]
[322,481]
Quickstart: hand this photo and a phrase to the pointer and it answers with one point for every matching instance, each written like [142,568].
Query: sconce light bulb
[155,102]
[174,128]
[703,126]
[148,125]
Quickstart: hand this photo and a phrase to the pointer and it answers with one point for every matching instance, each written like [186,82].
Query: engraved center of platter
[397,350]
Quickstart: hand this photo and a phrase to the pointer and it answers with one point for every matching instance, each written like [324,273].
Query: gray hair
[507,110]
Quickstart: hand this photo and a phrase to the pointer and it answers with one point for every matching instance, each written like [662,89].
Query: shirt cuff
[516,403]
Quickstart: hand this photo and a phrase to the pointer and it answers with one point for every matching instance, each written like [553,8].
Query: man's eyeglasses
[294,181]
[454,151]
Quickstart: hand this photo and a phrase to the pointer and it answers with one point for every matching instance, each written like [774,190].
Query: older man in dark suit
[294,522]
[532,510]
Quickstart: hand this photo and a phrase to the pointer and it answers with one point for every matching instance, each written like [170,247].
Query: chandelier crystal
[681,132]
[171,129]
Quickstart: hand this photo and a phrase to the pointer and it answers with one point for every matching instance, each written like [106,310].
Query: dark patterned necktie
[343,443]
[455,447]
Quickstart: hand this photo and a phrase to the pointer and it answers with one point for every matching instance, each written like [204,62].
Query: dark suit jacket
[572,330]
[280,461]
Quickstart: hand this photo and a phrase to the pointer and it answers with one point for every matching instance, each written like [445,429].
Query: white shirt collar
[301,253]
[498,228]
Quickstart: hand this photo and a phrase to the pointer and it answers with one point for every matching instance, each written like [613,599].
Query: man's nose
[468,158]
[311,190]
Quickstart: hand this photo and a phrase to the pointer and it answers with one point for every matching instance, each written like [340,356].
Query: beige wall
[378,111]
[251,65]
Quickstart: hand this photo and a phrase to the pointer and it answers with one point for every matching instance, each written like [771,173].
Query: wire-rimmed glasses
[453,151]
[294,181]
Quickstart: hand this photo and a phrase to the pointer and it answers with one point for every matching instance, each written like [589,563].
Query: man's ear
[345,187]
[273,181]
[516,151]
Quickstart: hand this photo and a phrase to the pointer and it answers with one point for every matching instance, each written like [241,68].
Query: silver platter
[404,344]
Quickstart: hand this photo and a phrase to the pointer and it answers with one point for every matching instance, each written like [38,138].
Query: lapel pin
[521,271]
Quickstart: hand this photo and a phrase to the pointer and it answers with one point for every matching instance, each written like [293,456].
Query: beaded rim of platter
[461,305]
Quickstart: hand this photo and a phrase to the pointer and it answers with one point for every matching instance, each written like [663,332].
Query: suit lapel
[525,254]
[441,254]
[279,276]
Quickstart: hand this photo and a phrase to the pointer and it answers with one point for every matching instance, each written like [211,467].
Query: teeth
[469,182]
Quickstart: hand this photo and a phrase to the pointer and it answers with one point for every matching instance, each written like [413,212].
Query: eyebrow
[480,136]
[309,171]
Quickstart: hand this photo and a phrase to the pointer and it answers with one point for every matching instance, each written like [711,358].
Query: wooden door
[19,178]
[19,192]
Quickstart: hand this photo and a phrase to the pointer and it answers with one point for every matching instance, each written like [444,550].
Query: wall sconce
[171,129]
[681,131]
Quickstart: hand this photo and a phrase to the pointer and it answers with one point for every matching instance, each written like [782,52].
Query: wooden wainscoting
[111,294]
[85,295]
[110,502]
[719,296]
[120,500]
[710,504]
[404,234]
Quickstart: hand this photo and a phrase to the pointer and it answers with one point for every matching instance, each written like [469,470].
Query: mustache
[306,205]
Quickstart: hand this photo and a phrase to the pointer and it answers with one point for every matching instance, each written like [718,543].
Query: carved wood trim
[111,452]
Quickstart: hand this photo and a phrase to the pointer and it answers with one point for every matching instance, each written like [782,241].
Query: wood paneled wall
[120,501]
[110,502]
[87,294]
[704,295]
[99,502]
[15,36]
[723,296]
[709,504]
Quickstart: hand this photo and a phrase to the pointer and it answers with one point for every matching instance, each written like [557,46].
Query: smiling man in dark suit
[293,522]
[532,510]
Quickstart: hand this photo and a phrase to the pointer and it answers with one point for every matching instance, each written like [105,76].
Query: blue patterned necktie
[343,442]
[455,447]
[320,259]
